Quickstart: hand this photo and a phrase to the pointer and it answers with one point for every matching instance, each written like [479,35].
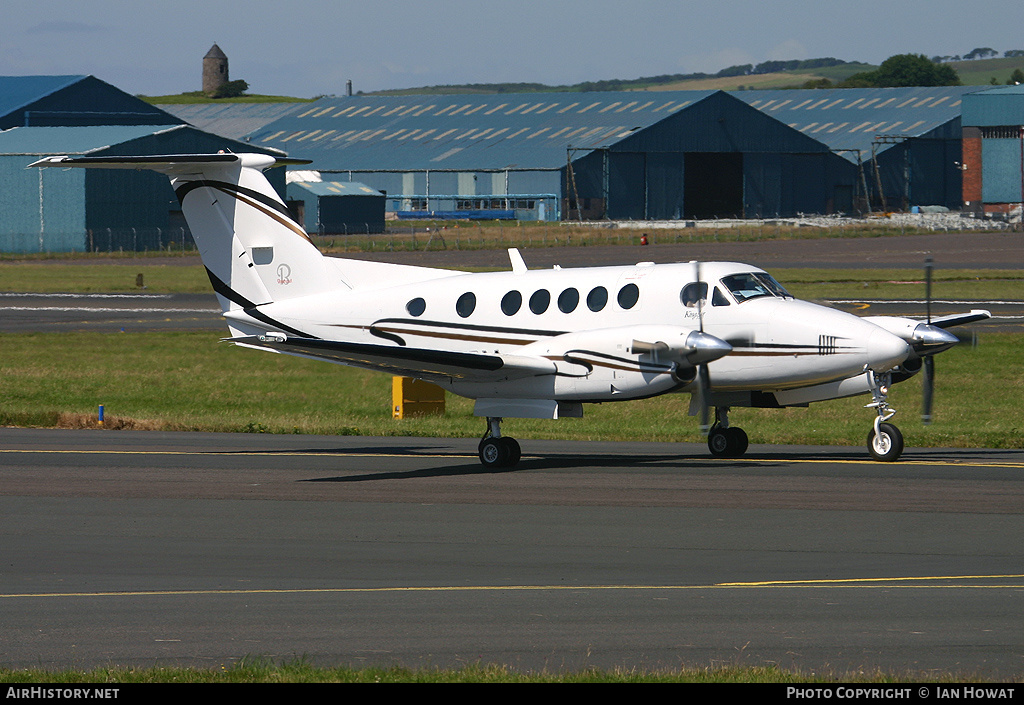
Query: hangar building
[621,155]
[67,101]
[993,163]
[52,210]
[905,143]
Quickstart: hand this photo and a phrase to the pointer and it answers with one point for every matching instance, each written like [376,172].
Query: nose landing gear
[885,442]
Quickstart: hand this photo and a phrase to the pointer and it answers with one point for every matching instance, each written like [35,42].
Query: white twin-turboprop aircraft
[537,343]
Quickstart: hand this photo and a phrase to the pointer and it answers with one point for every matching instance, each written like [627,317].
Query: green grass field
[191,381]
[812,284]
[303,671]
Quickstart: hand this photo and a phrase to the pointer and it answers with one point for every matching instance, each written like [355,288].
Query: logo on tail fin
[284,274]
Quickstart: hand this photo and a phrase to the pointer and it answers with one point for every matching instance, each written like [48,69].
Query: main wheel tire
[738,441]
[513,449]
[718,442]
[887,445]
[727,442]
[496,453]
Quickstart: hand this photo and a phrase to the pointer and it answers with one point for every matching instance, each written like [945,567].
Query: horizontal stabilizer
[170,163]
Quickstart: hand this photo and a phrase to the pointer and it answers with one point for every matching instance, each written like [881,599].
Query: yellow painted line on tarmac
[869,581]
[915,582]
[908,461]
[341,453]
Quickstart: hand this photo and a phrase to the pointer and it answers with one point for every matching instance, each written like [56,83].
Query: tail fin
[253,251]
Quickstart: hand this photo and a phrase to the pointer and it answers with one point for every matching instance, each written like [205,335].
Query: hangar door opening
[713,185]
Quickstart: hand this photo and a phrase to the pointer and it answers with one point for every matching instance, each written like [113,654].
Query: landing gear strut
[725,441]
[498,451]
[885,442]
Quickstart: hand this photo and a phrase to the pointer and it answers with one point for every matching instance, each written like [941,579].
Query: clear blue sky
[311,48]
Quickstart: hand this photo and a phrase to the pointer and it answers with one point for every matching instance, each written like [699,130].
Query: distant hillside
[982,71]
[777,74]
[770,74]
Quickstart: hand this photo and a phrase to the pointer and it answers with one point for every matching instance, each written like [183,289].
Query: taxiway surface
[147,548]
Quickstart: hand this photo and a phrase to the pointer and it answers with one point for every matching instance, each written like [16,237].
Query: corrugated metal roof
[850,118]
[18,91]
[336,188]
[232,120]
[72,140]
[464,132]
[995,107]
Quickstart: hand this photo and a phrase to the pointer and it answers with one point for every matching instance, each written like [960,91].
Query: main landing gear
[725,441]
[885,442]
[498,451]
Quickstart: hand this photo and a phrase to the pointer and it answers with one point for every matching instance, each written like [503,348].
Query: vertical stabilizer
[252,249]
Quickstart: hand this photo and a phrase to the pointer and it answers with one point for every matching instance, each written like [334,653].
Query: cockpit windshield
[752,285]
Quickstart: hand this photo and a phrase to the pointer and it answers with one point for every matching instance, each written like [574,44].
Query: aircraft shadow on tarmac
[757,461]
[471,466]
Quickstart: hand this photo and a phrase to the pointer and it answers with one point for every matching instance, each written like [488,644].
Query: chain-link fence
[99,240]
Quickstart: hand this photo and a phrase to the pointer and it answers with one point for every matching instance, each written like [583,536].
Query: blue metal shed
[337,208]
[993,124]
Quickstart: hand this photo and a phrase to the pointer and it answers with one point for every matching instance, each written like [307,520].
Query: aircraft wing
[421,363]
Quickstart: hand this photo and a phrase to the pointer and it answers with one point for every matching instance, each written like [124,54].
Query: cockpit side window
[752,285]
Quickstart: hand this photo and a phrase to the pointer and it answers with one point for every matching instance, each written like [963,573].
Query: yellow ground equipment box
[412,397]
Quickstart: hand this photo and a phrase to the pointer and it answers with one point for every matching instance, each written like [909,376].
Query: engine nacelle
[925,339]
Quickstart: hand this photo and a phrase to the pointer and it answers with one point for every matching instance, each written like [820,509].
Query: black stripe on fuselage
[232,189]
[250,308]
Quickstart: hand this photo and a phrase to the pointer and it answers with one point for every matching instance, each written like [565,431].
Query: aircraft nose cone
[885,350]
[932,339]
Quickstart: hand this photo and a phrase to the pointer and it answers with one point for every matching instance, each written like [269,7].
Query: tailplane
[253,251]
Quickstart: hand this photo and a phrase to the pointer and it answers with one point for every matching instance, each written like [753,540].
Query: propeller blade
[703,375]
[929,337]
[704,390]
[928,389]
[928,266]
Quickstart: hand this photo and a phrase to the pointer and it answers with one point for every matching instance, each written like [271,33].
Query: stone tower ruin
[215,70]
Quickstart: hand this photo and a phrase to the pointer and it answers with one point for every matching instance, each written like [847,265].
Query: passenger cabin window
[416,307]
[694,295]
[511,303]
[597,298]
[753,285]
[466,304]
[540,301]
[568,300]
[628,296]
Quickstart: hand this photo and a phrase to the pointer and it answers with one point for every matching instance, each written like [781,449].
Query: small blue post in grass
[101,415]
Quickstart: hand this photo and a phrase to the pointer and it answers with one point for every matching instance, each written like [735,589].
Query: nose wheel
[498,451]
[885,442]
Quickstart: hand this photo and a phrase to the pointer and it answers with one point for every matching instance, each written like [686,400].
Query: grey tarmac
[148,548]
